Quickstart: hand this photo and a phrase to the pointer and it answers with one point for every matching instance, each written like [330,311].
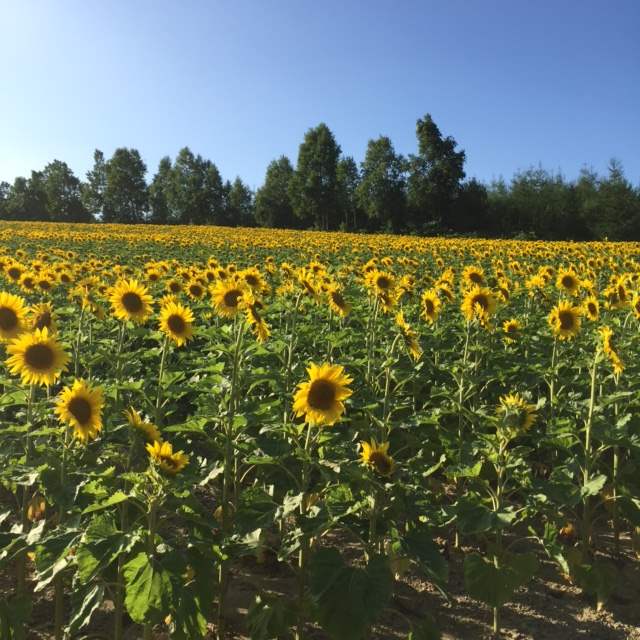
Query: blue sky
[515,82]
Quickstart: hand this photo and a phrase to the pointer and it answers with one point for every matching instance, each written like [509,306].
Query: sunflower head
[591,308]
[41,316]
[176,322]
[37,357]
[12,314]
[430,306]
[568,281]
[162,454]
[145,428]
[80,407]
[610,350]
[227,297]
[479,304]
[337,302]
[564,320]
[511,329]
[376,456]
[321,399]
[130,300]
[515,415]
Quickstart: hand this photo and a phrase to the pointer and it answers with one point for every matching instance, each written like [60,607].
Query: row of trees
[426,192]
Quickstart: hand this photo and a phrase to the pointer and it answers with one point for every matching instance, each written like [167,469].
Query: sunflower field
[334,416]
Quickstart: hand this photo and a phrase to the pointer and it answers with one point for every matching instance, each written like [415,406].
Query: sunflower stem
[58,583]
[78,340]
[163,362]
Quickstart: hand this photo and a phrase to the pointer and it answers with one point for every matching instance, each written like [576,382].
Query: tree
[435,174]
[93,189]
[381,190]
[273,205]
[27,199]
[63,194]
[348,180]
[471,209]
[313,189]
[239,204]
[4,198]
[196,193]
[158,189]
[125,195]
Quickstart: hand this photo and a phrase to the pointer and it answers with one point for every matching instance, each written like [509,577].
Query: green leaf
[271,618]
[348,600]
[116,498]
[148,588]
[594,486]
[496,585]
[86,602]
[421,547]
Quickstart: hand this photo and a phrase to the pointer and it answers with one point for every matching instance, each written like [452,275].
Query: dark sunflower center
[45,285]
[169,462]
[566,320]
[153,277]
[337,298]
[195,290]
[132,302]
[429,307]
[176,324]
[232,297]
[80,409]
[512,328]
[475,277]
[174,286]
[482,300]
[381,462]
[39,356]
[322,395]
[28,283]
[567,282]
[8,319]
[14,273]
[592,308]
[43,320]
[65,278]
[383,282]
[251,280]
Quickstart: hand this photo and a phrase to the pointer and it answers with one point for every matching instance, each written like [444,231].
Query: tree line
[426,192]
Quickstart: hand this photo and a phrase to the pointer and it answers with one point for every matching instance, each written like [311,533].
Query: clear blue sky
[515,82]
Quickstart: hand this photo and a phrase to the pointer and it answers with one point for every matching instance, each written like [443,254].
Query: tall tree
[159,212]
[348,180]
[62,189]
[273,205]
[94,187]
[313,188]
[125,196]
[196,193]
[381,190]
[5,188]
[435,174]
[27,199]
[239,208]
[470,211]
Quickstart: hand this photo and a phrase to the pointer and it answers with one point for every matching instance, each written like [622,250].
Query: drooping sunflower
[12,314]
[516,414]
[37,357]
[162,454]
[431,304]
[336,300]
[255,319]
[376,456]
[610,349]
[409,336]
[80,406]
[227,297]
[176,322]
[478,304]
[511,329]
[41,316]
[564,320]
[147,429]
[320,399]
[130,300]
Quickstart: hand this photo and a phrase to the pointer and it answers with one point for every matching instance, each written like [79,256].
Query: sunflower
[376,456]
[591,308]
[227,296]
[80,406]
[635,305]
[176,322]
[161,453]
[12,314]
[511,329]
[337,302]
[320,399]
[409,336]
[564,320]
[568,282]
[174,286]
[609,348]
[381,283]
[255,320]
[195,289]
[130,300]
[473,276]
[41,316]
[254,280]
[431,304]
[516,415]
[478,303]
[37,357]
[144,427]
